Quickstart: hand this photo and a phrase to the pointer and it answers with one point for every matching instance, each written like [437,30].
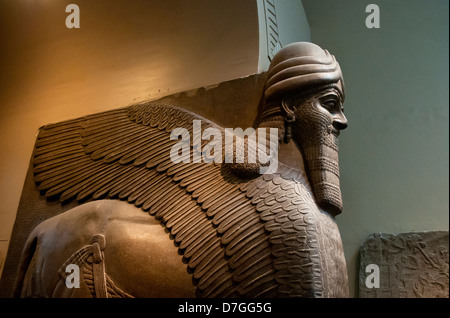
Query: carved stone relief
[407,265]
[273,36]
[212,229]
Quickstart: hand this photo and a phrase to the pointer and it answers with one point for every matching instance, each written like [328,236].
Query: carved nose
[340,122]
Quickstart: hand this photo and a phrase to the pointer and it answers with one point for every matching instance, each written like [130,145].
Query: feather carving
[242,238]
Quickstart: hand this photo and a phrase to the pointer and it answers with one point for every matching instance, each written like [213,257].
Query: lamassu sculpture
[212,229]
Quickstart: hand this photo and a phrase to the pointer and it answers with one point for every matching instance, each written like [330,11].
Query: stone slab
[408,265]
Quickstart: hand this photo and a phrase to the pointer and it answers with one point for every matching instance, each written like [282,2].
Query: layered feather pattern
[241,238]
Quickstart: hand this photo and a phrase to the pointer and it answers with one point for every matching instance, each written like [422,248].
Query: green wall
[394,156]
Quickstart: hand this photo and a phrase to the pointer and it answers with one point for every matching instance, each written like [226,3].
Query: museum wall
[394,155]
[124,52]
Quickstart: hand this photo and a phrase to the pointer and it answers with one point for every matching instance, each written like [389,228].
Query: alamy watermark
[73,19]
[373,19]
[73,277]
[373,279]
[235,141]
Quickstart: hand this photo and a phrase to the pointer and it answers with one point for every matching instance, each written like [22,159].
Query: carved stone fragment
[407,265]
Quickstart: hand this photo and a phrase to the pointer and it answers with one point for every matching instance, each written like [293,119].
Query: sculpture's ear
[289,118]
[288,110]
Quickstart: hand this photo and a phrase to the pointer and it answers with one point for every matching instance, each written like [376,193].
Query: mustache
[332,130]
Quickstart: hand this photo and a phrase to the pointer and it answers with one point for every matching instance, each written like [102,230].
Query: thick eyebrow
[333,91]
[339,92]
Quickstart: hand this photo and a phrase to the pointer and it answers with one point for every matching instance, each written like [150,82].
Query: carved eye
[331,102]
[331,105]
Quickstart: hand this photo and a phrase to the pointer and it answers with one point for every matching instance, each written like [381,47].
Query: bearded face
[318,121]
[298,70]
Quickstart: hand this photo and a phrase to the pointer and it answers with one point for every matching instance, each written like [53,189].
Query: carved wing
[241,238]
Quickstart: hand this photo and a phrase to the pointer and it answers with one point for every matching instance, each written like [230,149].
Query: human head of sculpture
[303,96]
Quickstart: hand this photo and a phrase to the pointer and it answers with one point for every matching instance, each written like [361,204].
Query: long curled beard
[319,147]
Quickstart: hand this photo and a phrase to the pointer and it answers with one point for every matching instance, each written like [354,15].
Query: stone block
[405,265]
